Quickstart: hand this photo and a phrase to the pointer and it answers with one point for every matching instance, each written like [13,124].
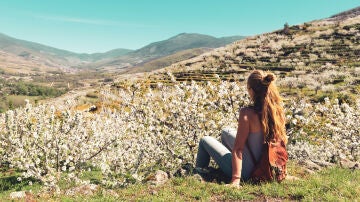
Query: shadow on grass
[215,175]
[11,183]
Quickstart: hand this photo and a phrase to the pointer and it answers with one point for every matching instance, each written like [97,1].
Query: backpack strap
[251,153]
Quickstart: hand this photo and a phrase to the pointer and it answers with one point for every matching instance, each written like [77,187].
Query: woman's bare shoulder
[252,116]
[248,111]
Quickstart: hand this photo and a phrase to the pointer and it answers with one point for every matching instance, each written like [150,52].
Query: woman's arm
[241,137]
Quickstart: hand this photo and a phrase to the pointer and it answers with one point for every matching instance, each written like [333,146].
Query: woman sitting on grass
[263,120]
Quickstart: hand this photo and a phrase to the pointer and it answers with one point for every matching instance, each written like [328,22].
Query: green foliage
[13,93]
[9,182]
[22,88]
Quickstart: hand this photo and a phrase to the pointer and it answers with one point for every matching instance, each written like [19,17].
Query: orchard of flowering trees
[149,128]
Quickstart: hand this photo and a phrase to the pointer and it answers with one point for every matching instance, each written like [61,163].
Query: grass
[14,101]
[333,184]
[9,183]
[349,95]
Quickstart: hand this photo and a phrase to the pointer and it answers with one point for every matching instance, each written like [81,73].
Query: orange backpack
[272,164]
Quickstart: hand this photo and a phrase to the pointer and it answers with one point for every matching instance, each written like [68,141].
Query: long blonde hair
[268,102]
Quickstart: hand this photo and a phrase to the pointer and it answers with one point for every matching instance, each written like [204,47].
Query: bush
[22,88]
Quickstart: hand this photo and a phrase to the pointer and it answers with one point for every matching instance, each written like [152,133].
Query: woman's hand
[235,182]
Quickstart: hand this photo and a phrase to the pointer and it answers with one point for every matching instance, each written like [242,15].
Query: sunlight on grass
[328,185]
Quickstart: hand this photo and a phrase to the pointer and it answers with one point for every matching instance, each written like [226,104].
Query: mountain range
[20,56]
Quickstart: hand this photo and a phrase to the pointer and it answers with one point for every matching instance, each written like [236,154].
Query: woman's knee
[205,139]
[226,133]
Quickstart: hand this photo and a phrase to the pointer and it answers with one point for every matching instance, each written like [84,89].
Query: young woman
[263,120]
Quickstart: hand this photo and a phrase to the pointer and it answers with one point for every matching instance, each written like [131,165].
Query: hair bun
[268,78]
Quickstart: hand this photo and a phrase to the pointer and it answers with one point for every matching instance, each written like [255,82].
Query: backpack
[272,164]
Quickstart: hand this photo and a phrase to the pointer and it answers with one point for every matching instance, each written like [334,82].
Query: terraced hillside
[314,54]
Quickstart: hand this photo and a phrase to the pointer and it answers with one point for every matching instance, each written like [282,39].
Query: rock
[323,163]
[292,178]
[17,195]
[356,167]
[26,195]
[185,170]
[181,173]
[309,171]
[159,178]
[198,177]
[309,165]
[345,163]
[87,189]
[110,192]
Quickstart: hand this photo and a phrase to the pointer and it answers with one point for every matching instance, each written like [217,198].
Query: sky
[88,26]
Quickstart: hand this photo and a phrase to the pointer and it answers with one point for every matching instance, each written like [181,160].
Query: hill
[321,54]
[20,56]
[167,60]
[183,41]
[163,48]
[37,58]
[346,14]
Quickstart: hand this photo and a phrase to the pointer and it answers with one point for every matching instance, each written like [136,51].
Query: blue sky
[101,25]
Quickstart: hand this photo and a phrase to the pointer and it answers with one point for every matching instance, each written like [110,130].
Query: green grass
[334,184]
[14,101]
[349,95]
[9,183]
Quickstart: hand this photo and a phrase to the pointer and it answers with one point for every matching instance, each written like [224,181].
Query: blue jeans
[221,152]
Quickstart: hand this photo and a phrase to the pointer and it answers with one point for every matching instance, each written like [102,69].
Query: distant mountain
[182,42]
[109,54]
[163,48]
[46,55]
[165,61]
[30,55]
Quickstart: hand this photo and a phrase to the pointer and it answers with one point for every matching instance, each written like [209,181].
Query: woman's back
[254,120]
[255,141]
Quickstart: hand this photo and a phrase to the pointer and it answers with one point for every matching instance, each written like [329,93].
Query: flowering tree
[139,129]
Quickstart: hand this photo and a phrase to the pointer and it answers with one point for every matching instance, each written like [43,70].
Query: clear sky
[101,25]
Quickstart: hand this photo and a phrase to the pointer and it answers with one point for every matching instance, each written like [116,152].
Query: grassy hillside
[167,60]
[182,42]
[163,48]
[322,56]
[109,54]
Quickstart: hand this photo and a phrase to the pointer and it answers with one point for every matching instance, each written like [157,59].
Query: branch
[101,149]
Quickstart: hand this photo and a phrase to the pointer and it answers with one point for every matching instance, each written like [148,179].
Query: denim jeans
[221,152]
